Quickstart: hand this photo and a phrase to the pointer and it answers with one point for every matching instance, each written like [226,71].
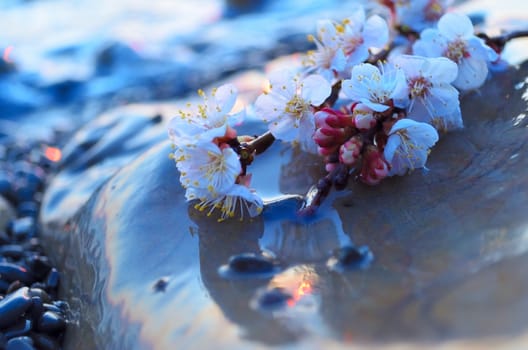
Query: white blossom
[420,14]
[328,60]
[341,45]
[359,34]
[287,107]
[408,145]
[207,120]
[211,174]
[377,88]
[432,97]
[455,40]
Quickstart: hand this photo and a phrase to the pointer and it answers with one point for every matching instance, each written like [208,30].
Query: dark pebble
[28,209]
[52,307]
[4,285]
[23,228]
[14,251]
[271,299]
[51,322]
[22,327]
[52,281]
[13,306]
[350,258]
[44,342]
[37,308]
[6,186]
[37,292]
[248,265]
[20,343]
[12,272]
[161,285]
[39,265]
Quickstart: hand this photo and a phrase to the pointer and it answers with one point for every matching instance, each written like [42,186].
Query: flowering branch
[393,105]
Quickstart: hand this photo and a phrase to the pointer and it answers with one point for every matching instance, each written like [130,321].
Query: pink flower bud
[350,151]
[375,168]
[364,117]
[332,118]
[322,139]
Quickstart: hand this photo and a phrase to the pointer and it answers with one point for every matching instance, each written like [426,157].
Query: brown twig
[497,43]
[315,196]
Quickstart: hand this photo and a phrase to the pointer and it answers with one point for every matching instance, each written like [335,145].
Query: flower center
[296,106]
[419,87]
[456,51]
[351,44]
[433,10]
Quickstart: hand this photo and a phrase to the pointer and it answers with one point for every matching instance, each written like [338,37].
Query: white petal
[472,73]
[284,83]
[455,25]
[440,69]
[315,89]
[224,98]
[430,44]
[376,32]
[284,129]
[268,108]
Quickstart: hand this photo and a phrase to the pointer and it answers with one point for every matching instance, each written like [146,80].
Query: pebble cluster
[31,316]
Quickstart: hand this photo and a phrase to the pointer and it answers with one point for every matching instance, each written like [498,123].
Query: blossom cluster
[210,168]
[369,109]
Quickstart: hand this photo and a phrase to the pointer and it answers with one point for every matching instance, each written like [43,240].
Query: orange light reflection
[7,53]
[52,153]
[305,288]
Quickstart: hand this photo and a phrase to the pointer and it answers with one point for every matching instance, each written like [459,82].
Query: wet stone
[4,285]
[350,258]
[44,342]
[22,327]
[12,272]
[249,265]
[20,343]
[29,209]
[52,281]
[37,308]
[39,265]
[13,306]
[23,228]
[51,322]
[14,251]
[37,292]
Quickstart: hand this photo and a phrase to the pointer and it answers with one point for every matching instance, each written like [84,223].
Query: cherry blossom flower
[419,14]
[237,199]
[455,40]
[288,107]
[377,88]
[359,34]
[408,145]
[328,60]
[341,45]
[208,120]
[432,97]
[211,174]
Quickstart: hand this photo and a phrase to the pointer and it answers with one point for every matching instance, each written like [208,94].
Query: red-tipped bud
[350,151]
[364,117]
[374,168]
[332,118]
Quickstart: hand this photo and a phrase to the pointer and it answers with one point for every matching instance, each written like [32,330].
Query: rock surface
[449,246]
